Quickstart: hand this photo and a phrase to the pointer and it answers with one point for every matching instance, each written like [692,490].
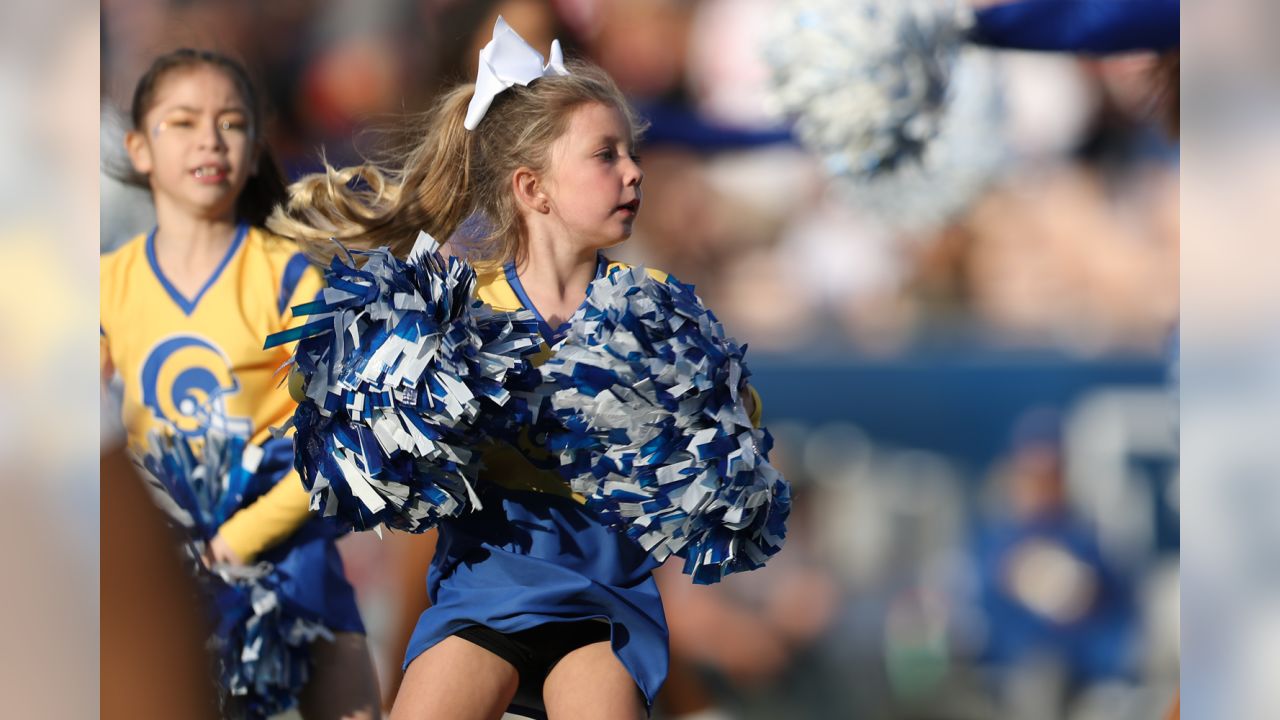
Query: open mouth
[632,207]
[210,173]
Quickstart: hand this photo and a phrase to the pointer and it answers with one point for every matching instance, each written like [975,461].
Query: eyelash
[610,155]
[224,125]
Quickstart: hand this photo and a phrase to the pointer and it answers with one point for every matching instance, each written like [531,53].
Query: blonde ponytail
[385,202]
[441,173]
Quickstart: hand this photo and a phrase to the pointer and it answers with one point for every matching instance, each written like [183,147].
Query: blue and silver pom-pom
[403,375]
[964,159]
[200,484]
[654,430]
[866,81]
[262,645]
[262,642]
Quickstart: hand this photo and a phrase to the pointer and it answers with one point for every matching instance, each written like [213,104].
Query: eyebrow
[610,140]
[190,109]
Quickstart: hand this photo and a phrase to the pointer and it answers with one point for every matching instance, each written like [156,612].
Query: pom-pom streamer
[404,374]
[261,642]
[654,431]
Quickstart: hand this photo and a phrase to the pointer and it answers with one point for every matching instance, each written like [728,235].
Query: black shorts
[534,652]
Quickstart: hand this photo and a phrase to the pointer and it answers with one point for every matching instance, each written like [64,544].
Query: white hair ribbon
[508,60]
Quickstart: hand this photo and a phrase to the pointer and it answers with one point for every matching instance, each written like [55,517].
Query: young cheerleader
[184,309]
[535,603]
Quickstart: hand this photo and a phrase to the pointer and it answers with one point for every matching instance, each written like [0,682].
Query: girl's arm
[270,519]
[283,509]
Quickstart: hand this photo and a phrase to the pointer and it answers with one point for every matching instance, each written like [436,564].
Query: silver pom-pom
[954,169]
[864,80]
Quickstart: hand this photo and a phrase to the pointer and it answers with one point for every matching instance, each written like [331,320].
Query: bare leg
[590,683]
[456,679]
[410,558]
[344,685]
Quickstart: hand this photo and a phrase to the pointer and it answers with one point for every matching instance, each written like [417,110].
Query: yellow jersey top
[176,355]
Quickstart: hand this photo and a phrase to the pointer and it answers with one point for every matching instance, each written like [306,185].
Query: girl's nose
[210,136]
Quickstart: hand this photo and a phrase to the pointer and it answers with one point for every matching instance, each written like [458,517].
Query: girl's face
[196,145]
[593,180]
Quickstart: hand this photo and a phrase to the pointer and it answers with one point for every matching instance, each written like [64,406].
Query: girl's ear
[530,191]
[139,154]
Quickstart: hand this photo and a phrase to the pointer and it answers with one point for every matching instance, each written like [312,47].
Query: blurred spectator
[1060,616]
[642,44]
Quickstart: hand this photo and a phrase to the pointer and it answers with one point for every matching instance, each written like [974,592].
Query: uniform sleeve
[301,283]
[757,411]
[270,519]
[277,514]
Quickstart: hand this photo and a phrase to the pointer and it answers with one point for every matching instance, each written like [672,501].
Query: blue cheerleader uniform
[535,555]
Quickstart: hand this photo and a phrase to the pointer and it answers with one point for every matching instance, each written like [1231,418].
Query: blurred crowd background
[977,414]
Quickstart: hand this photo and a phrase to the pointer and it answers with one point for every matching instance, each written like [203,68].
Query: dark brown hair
[266,187]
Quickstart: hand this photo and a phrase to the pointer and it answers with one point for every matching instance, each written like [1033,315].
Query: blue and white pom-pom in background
[262,644]
[963,160]
[865,81]
[262,641]
[404,373]
[199,484]
[654,430]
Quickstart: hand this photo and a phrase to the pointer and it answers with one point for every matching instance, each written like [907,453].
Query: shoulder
[494,290]
[279,251]
[282,256]
[115,267]
[136,247]
[654,273]
[118,278]
[293,277]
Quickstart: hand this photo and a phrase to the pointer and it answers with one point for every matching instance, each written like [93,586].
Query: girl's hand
[218,552]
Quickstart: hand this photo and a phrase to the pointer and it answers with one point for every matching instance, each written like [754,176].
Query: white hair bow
[508,60]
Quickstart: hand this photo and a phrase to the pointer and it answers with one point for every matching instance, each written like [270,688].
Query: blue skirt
[312,576]
[527,559]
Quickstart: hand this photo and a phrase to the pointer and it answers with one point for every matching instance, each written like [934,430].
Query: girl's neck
[189,250]
[181,238]
[555,276]
[556,269]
